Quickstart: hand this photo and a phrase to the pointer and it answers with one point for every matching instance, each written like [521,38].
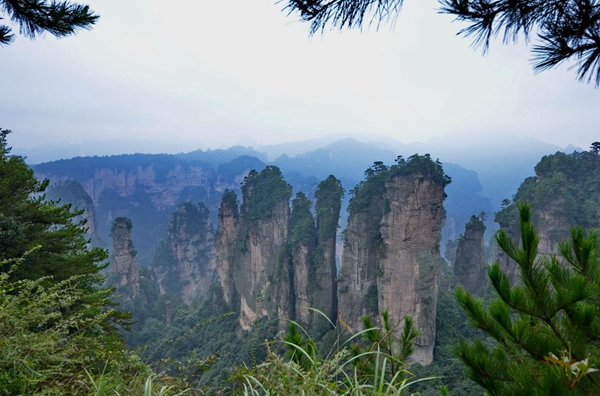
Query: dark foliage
[263,192]
[544,329]
[568,185]
[28,221]
[34,17]
[566,30]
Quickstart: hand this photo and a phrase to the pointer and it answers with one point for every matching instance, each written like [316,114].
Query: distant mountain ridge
[134,184]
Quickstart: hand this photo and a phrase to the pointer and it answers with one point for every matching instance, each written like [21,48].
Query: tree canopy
[543,331]
[565,29]
[34,17]
[53,243]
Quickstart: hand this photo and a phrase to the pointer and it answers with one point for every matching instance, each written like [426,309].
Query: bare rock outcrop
[261,280]
[226,241]
[469,267]
[392,252]
[187,266]
[275,262]
[124,262]
[324,286]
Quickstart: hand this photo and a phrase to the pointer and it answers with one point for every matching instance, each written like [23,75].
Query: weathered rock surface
[258,272]
[324,285]
[124,260]
[266,253]
[409,268]
[392,252]
[357,283]
[260,277]
[190,243]
[226,241]
[469,267]
[301,264]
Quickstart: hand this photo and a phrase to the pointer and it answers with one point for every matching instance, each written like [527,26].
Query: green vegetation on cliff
[328,196]
[302,223]
[567,185]
[262,192]
[379,173]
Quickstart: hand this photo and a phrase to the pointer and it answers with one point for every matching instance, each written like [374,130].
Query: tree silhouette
[34,17]
[566,29]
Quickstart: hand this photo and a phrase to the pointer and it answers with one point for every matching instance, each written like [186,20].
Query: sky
[181,75]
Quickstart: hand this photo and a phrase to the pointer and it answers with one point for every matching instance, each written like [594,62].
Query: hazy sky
[186,74]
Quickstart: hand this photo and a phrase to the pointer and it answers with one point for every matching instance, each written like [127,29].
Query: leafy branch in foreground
[50,345]
[545,330]
[48,341]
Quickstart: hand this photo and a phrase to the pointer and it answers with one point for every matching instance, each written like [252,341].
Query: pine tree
[566,30]
[34,17]
[542,333]
[29,222]
[48,242]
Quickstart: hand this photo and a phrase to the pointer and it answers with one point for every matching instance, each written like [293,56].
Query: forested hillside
[225,292]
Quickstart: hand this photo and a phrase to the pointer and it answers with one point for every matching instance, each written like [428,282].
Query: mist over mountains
[483,172]
[501,161]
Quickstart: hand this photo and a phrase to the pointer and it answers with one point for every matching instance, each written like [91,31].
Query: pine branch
[59,18]
[341,14]
[5,35]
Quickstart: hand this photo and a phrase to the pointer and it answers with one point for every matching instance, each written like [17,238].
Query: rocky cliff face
[124,261]
[266,253]
[392,252]
[469,267]
[71,192]
[300,247]
[565,192]
[261,280]
[324,285]
[144,188]
[357,284]
[409,268]
[226,241]
[191,268]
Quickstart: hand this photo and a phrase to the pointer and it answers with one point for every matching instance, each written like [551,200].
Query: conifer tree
[566,29]
[542,333]
[34,17]
[28,221]
[48,242]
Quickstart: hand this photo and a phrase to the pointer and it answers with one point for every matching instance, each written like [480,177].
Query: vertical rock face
[271,260]
[301,264]
[469,267]
[191,269]
[409,267]
[329,196]
[357,284]
[260,277]
[226,241]
[392,252]
[564,192]
[123,260]
[300,248]
[71,192]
